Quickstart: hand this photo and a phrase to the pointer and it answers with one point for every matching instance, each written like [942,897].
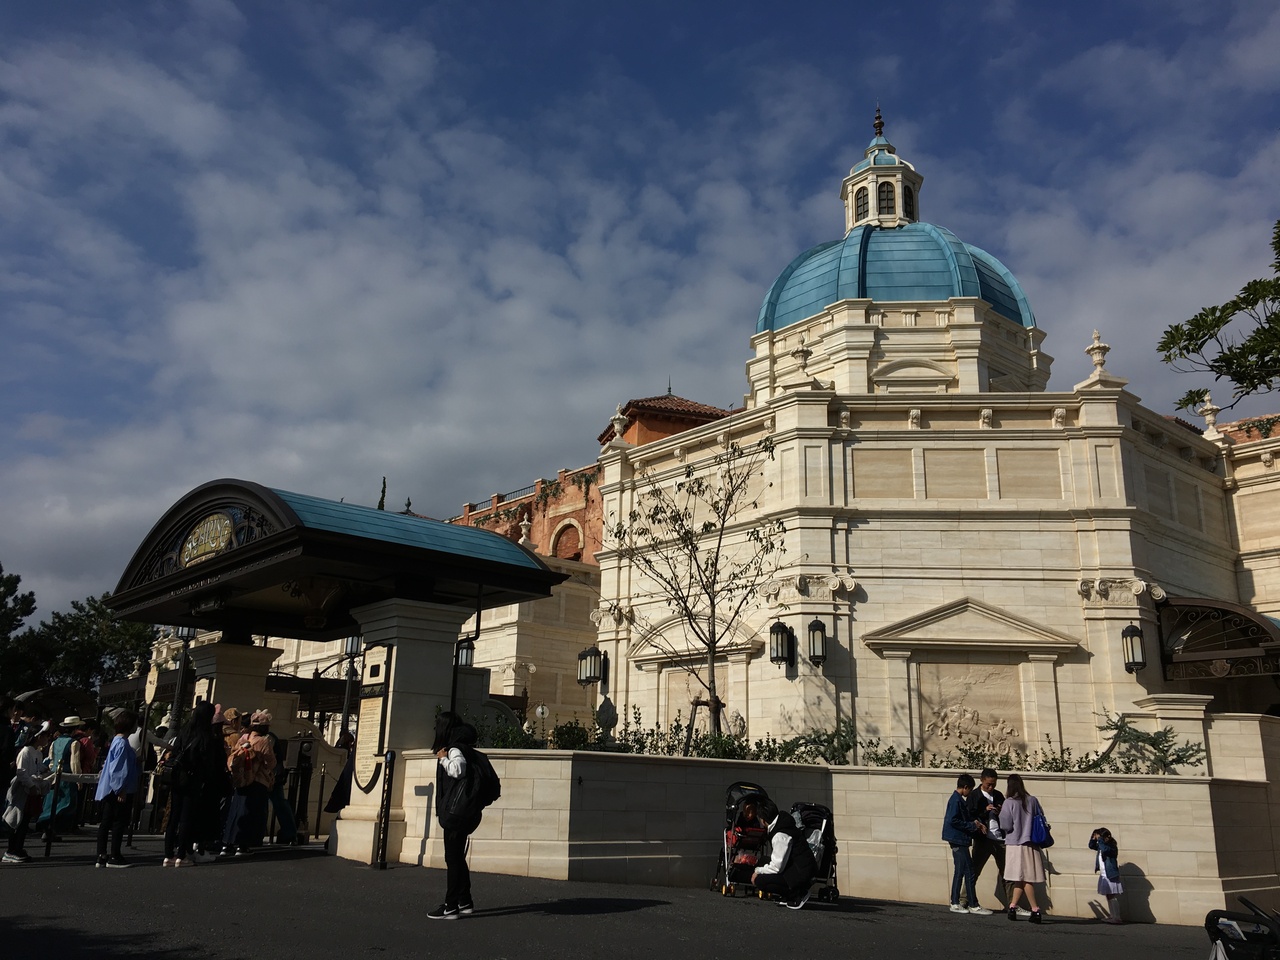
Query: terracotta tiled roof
[669,407]
[1239,431]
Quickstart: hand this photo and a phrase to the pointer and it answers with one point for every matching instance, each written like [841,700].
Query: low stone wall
[1187,844]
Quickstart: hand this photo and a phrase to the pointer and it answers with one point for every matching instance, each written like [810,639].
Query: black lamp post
[352,650]
[782,644]
[186,635]
[817,642]
[593,666]
[1135,652]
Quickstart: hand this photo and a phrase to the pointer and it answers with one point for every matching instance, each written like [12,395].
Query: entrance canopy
[238,557]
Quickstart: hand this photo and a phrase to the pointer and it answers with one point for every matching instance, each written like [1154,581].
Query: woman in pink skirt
[1023,862]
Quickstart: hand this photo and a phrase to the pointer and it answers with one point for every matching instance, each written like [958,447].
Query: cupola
[881,190]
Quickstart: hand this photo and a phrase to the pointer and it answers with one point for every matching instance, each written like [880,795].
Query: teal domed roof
[912,262]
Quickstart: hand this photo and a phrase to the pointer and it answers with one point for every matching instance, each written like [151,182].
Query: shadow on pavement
[577,907]
[27,939]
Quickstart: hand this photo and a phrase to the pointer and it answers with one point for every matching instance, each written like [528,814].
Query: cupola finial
[879,124]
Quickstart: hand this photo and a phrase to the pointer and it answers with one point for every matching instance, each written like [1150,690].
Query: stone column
[1040,703]
[236,674]
[901,710]
[417,684]
[1185,713]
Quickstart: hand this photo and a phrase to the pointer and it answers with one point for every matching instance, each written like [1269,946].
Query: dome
[913,262]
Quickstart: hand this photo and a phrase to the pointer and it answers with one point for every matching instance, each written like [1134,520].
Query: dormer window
[908,202]
[886,205]
[861,205]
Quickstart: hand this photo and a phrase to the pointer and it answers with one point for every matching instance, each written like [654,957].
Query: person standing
[253,773]
[29,782]
[199,769]
[959,828]
[454,740]
[62,805]
[1023,861]
[985,802]
[116,788]
[1107,867]
[791,867]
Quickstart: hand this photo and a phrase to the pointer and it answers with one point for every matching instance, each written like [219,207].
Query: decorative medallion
[208,538]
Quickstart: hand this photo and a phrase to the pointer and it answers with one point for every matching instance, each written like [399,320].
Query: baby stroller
[742,840]
[815,820]
[1243,936]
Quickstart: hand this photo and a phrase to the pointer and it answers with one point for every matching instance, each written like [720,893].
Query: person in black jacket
[199,760]
[985,802]
[454,740]
[791,867]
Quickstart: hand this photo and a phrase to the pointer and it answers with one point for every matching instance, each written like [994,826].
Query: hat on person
[71,722]
[230,715]
[260,718]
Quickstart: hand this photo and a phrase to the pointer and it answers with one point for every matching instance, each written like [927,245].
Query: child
[1108,871]
[959,829]
[116,787]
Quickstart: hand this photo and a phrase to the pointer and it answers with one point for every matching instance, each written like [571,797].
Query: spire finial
[879,124]
[669,387]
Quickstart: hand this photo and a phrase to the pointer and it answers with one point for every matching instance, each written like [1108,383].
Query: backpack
[478,788]
[242,764]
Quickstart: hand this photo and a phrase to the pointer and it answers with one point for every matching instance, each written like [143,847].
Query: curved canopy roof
[914,262]
[237,556]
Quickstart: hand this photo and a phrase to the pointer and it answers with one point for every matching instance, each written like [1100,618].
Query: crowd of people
[983,825]
[216,782]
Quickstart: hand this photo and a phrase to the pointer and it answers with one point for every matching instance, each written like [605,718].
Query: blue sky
[314,244]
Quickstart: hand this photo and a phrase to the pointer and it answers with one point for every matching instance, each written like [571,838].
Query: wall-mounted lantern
[782,644]
[817,642]
[593,666]
[1135,652]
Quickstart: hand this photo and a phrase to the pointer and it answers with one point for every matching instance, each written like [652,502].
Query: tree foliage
[702,552]
[14,606]
[1237,341]
[82,649]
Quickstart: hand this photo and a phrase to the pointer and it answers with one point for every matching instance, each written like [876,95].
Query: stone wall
[1187,843]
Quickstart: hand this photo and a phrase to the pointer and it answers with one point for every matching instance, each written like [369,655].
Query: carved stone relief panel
[967,702]
[682,688]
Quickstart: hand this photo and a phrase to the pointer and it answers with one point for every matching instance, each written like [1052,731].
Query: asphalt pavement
[299,904]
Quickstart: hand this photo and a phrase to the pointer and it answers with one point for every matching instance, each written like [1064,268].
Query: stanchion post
[319,801]
[384,809]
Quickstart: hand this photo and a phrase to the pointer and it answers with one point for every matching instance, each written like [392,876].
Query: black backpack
[478,788]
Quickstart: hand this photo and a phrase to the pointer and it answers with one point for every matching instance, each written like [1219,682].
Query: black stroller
[819,829]
[1243,936]
[743,840]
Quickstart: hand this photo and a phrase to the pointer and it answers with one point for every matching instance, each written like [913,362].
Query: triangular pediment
[969,624]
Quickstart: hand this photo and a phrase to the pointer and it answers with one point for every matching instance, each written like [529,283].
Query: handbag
[1040,835]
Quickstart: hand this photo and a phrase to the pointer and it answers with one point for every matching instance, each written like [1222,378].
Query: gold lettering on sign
[208,538]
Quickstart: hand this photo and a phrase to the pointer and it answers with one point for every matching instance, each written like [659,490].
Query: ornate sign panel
[209,537]
[371,734]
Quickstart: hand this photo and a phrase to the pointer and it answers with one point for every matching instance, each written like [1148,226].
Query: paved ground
[299,903]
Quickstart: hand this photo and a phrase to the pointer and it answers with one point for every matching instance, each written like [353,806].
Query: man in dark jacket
[985,802]
[791,867]
[455,739]
[959,829]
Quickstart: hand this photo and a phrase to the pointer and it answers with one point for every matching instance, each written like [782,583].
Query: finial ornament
[879,124]
[802,354]
[1209,410]
[619,421]
[1098,350]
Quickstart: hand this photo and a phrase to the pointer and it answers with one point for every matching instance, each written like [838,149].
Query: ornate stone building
[973,545]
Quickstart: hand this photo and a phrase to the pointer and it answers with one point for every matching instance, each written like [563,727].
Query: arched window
[861,205]
[568,545]
[886,198]
[908,202]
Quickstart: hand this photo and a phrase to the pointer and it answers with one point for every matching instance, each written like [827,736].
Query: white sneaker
[980,911]
[956,908]
[1024,913]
